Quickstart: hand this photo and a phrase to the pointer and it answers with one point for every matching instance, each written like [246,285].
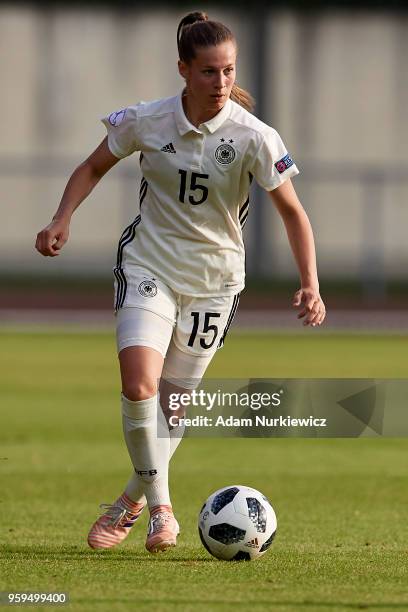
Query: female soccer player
[180,264]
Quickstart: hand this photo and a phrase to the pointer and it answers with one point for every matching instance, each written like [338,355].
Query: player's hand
[311,304]
[52,238]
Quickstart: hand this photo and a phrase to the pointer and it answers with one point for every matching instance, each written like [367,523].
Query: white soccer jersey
[193,193]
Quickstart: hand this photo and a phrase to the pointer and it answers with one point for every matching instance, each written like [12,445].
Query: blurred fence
[361,240]
[334,85]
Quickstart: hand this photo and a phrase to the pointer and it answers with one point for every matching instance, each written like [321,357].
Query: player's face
[210,76]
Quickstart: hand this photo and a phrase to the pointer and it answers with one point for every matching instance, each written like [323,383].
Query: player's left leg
[190,351]
[201,328]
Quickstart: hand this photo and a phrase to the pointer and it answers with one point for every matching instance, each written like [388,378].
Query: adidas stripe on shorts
[185,330]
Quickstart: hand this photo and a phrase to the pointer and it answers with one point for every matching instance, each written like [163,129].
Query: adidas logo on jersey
[168,148]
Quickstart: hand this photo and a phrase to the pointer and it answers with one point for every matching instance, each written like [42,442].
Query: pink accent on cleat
[115,524]
[163,529]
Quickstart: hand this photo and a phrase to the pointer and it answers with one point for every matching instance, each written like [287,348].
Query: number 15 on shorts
[207,327]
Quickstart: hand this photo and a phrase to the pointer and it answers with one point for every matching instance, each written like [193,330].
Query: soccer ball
[237,523]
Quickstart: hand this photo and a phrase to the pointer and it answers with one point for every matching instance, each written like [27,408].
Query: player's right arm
[52,238]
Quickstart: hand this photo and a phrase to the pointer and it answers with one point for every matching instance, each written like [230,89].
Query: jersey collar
[184,125]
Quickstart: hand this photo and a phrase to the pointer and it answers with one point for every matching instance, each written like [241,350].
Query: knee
[137,391]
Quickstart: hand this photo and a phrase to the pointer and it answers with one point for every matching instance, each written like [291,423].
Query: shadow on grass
[76,553]
[342,604]
[70,553]
[266,604]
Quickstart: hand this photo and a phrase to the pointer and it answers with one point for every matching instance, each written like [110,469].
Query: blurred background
[331,77]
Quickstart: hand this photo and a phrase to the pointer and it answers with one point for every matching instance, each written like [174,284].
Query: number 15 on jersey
[198,189]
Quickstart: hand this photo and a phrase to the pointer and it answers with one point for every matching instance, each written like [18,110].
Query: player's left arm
[301,240]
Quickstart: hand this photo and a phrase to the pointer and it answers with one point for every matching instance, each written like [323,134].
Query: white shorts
[186,330]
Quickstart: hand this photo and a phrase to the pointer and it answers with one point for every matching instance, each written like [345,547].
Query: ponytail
[188,20]
[195,31]
[242,97]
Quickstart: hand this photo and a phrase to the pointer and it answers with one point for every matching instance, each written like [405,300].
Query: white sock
[134,488]
[148,442]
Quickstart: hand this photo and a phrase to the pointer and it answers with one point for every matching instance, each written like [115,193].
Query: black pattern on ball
[203,507]
[223,498]
[257,514]
[226,534]
[203,542]
[268,542]
[241,556]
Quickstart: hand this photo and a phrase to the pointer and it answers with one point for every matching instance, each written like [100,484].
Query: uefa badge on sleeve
[284,163]
[117,117]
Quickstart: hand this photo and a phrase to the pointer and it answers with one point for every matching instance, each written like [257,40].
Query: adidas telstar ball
[237,523]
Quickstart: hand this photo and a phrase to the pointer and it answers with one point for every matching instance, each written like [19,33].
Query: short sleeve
[122,127]
[272,165]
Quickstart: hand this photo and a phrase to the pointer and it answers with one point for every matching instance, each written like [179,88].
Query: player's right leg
[140,369]
[147,438]
[144,329]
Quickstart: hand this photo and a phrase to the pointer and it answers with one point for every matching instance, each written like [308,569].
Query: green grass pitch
[341,504]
